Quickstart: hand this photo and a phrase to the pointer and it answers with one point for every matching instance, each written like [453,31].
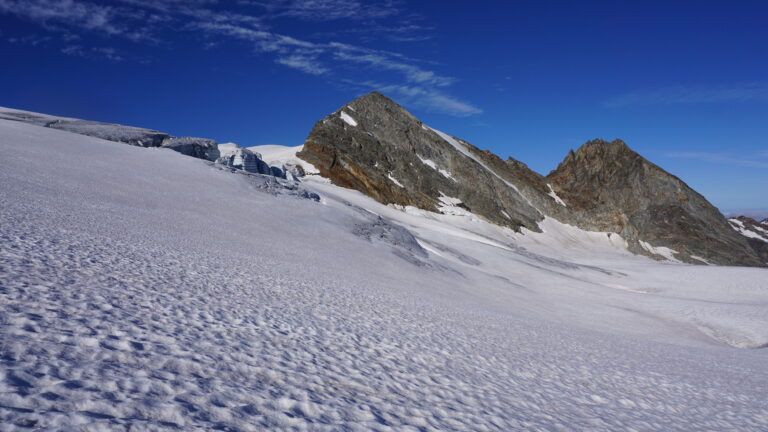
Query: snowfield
[145,290]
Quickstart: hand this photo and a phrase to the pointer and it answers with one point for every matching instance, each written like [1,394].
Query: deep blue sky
[683,83]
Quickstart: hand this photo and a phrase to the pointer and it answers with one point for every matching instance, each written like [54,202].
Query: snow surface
[348,119]
[228,149]
[112,132]
[748,232]
[145,290]
[428,162]
[431,164]
[277,155]
[663,251]
[394,180]
[554,196]
[450,206]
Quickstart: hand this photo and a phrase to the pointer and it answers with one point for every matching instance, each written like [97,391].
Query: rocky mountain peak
[610,187]
[374,145]
[597,156]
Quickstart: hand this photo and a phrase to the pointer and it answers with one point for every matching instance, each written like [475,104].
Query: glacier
[145,290]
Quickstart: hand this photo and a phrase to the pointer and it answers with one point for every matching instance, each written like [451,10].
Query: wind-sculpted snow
[144,290]
[374,228]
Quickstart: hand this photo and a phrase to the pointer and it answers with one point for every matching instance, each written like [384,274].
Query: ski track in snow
[145,290]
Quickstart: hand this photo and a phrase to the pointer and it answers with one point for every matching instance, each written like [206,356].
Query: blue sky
[683,83]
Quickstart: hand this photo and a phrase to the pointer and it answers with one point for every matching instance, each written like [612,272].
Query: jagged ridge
[756,234]
[609,187]
[377,147]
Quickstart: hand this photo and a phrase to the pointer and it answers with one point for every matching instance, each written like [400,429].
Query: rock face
[609,187]
[755,232]
[377,147]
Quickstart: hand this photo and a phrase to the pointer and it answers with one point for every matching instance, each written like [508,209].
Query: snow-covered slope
[755,232]
[750,228]
[111,132]
[152,290]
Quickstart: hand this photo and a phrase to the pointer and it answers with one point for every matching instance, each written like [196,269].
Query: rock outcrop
[609,187]
[377,147]
[755,232]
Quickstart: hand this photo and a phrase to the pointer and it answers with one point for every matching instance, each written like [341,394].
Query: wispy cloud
[68,15]
[330,10]
[758,161]
[104,52]
[421,87]
[84,15]
[304,62]
[427,98]
[31,40]
[744,92]
[411,80]
[388,61]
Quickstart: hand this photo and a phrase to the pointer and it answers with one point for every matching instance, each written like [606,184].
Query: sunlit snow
[554,196]
[748,232]
[433,165]
[394,180]
[145,290]
[348,119]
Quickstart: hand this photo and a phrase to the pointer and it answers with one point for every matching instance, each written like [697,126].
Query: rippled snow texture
[145,290]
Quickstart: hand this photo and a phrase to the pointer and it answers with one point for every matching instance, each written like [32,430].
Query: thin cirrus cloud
[327,10]
[251,21]
[86,16]
[744,92]
[429,99]
[422,87]
[758,161]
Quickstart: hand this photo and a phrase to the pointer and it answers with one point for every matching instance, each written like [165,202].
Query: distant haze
[757,214]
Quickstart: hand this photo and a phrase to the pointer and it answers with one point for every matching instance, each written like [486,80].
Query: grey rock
[609,187]
[380,141]
[756,234]
[377,147]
